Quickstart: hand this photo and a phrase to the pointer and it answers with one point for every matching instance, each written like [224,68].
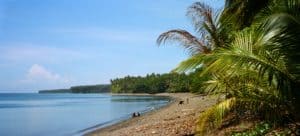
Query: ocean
[33,114]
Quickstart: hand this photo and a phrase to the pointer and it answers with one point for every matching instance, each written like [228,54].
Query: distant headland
[101,88]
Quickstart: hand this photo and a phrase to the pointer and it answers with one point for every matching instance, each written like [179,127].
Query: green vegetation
[56,91]
[157,83]
[81,89]
[259,130]
[264,128]
[251,51]
[91,89]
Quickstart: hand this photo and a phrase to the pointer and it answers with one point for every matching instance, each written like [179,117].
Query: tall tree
[253,46]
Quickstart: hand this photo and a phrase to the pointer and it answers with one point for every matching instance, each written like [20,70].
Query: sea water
[32,114]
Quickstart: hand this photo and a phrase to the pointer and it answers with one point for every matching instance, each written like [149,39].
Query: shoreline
[111,123]
[171,119]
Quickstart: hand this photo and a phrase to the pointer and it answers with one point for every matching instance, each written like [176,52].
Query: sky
[50,44]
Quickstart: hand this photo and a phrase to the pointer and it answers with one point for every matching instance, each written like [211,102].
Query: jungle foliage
[158,83]
[250,50]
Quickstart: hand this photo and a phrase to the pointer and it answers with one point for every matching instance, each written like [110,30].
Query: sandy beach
[172,120]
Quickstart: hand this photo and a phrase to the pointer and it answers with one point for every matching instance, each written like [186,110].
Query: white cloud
[39,74]
[36,71]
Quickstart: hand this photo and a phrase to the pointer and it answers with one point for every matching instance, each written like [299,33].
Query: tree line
[158,83]
[103,88]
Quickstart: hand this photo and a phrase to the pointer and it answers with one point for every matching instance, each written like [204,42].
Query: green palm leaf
[187,40]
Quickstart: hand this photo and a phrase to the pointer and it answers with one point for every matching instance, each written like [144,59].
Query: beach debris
[181,102]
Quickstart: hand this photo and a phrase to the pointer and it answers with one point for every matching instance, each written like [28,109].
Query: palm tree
[255,64]
[241,13]
[254,75]
[206,26]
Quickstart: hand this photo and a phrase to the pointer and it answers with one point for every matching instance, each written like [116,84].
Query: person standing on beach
[133,115]
[136,114]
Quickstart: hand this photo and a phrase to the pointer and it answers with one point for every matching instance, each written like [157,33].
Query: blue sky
[47,44]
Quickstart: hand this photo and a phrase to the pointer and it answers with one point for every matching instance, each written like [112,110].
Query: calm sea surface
[67,114]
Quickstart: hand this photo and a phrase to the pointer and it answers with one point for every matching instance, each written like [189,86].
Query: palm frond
[212,117]
[201,14]
[194,62]
[264,107]
[187,40]
[242,12]
[246,52]
[290,7]
[251,53]
[205,22]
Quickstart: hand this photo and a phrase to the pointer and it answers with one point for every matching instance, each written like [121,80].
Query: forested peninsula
[102,88]
[151,83]
[159,83]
